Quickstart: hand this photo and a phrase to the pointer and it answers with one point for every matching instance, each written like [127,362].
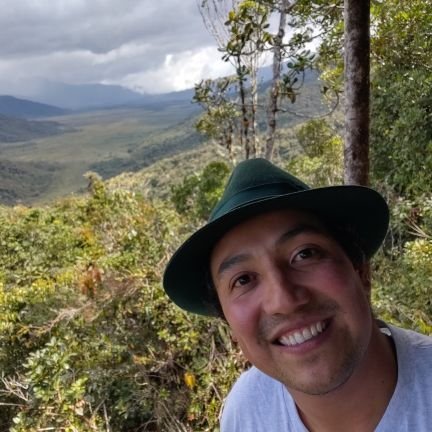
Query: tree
[225,20]
[273,101]
[357,48]
[249,39]
[220,118]
[401,127]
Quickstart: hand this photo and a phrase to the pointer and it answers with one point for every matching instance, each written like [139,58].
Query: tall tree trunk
[273,101]
[254,104]
[357,93]
[243,106]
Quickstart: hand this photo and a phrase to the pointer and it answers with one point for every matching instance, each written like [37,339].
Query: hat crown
[252,180]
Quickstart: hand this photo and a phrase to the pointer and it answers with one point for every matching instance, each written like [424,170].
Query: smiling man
[287,267]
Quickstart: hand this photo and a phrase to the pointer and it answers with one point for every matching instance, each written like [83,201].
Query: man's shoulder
[411,405]
[412,339]
[253,382]
[257,402]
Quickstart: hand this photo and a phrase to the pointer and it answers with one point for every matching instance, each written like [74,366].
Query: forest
[88,339]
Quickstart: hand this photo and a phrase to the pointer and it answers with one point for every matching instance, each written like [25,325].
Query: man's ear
[363,271]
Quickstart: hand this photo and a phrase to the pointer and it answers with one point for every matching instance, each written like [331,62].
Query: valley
[106,141]
[156,131]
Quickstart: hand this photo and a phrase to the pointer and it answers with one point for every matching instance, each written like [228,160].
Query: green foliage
[401,132]
[88,339]
[401,46]
[220,120]
[248,27]
[403,273]
[196,196]
[321,162]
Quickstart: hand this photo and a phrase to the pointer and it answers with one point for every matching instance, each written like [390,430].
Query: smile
[302,335]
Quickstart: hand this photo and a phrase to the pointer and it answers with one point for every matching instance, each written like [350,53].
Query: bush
[88,339]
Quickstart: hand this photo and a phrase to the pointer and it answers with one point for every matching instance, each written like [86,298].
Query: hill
[24,181]
[15,107]
[15,129]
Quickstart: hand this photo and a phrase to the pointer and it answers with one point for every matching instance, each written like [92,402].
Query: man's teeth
[302,335]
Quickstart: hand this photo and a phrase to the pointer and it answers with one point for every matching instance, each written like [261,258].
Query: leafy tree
[401,134]
[220,118]
[320,162]
[223,19]
[197,194]
[248,38]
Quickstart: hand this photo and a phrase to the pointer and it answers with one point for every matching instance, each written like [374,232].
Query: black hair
[212,301]
[347,238]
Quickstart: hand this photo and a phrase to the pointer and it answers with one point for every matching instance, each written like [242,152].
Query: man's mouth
[302,335]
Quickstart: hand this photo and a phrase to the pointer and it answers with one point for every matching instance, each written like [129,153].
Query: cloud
[179,71]
[128,42]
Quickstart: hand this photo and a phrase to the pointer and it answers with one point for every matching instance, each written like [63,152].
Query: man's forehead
[288,216]
[289,223]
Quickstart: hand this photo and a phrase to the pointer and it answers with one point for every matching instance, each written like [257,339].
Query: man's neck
[360,403]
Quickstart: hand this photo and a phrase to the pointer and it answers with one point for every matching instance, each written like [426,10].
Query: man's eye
[306,253]
[241,281]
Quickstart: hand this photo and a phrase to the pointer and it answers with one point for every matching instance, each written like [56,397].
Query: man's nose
[283,293]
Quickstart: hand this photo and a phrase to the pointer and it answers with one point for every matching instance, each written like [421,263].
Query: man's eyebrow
[291,233]
[230,262]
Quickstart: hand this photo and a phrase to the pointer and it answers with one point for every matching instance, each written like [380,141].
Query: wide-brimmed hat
[257,186]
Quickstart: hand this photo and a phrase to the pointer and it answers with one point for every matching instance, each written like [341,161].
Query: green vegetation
[401,138]
[23,181]
[16,129]
[88,339]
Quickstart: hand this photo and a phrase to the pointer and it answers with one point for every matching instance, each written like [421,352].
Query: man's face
[294,301]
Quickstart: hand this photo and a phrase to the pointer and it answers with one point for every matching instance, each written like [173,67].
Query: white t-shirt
[258,403]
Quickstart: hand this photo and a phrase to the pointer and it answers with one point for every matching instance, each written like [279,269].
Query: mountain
[84,96]
[100,96]
[16,129]
[14,107]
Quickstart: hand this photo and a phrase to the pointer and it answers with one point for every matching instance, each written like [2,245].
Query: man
[287,267]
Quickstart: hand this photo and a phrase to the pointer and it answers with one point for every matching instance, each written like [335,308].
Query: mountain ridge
[12,106]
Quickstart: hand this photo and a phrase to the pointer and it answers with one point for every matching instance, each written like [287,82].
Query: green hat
[257,186]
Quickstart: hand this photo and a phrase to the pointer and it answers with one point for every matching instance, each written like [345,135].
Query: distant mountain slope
[24,181]
[14,107]
[15,129]
[84,96]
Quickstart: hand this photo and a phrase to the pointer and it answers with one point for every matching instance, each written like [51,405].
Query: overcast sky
[152,46]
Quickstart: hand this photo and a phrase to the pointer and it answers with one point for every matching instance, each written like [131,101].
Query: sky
[152,46]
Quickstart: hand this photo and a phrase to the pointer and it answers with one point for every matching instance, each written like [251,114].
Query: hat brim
[362,208]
